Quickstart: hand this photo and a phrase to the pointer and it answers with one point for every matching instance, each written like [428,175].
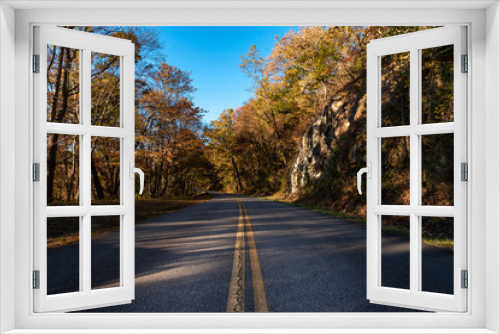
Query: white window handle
[134,170]
[368,171]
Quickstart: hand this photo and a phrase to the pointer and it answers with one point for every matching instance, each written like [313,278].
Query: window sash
[87,43]
[414,298]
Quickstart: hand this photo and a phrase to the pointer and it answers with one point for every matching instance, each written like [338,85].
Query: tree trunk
[165,186]
[95,180]
[71,177]
[52,144]
[240,186]
[62,68]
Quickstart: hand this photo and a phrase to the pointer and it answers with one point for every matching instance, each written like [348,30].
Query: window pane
[437,169]
[105,108]
[63,85]
[63,255]
[105,265]
[437,255]
[395,89]
[395,249]
[396,170]
[105,170]
[437,84]
[63,169]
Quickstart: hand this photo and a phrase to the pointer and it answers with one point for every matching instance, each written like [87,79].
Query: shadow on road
[311,262]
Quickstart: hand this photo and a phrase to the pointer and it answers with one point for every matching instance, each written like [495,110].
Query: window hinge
[464,171]
[36,279]
[36,172]
[36,63]
[465,279]
[465,64]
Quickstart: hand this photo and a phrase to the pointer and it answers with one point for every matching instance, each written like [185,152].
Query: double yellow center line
[236,298]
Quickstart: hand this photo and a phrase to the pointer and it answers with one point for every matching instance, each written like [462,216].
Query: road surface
[194,260]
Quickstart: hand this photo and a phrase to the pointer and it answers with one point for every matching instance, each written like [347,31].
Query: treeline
[305,69]
[313,82]
[309,72]
[169,143]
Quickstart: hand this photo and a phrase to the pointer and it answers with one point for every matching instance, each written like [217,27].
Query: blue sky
[213,55]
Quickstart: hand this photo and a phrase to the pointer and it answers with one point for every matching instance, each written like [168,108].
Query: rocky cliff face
[323,138]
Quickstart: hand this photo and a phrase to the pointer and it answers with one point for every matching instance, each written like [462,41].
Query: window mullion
[83,222]
[86,171]
[414,170]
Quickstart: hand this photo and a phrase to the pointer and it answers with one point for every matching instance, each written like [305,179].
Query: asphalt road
[309,262]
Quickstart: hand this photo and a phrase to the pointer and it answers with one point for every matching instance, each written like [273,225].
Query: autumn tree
[223,141]
[169,133]
[308,68]
[170,147]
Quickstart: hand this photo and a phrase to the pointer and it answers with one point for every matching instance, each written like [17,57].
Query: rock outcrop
[323,138]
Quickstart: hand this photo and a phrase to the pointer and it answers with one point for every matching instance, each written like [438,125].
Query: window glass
[395,89]
[105,252]
[105,108]
[396,170]
[395,249]
[437,84]
[63,85]
[63,263]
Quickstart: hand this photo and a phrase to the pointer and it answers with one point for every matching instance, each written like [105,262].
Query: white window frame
[483,20]
[414,43]
[86,297]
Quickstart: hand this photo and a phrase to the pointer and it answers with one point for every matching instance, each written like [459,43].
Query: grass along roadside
[63,231]
[442,242]
[335,214]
